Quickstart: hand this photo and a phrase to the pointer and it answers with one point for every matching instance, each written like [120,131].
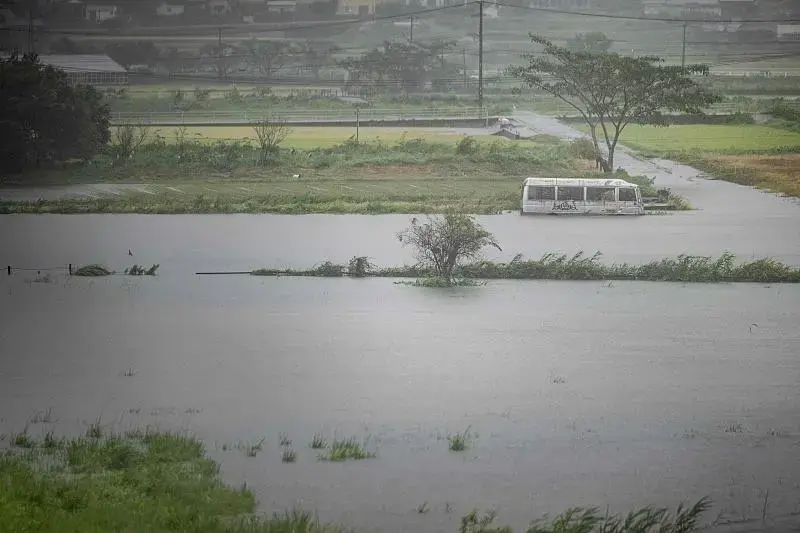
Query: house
[100,12]
[360,8]
[218,7]
[281,6]
[788,32]
[88,69]
[560,4]
[166,9]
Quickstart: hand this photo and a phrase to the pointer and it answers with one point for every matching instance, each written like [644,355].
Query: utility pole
[30,32]
[464,54]
[480,55]
[411,33]
[683,53]
[219,53]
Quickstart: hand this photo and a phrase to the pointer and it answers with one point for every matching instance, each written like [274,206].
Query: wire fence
[297,116]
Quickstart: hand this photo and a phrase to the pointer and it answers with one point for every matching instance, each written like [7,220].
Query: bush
[583,149]
[467,146]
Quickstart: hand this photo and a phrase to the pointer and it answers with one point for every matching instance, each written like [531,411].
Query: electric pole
[219,53]
[464,53]
[480,55]
[30,32]
[411,33]
[683,52]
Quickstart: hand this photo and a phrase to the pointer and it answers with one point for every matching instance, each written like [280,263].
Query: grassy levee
[433,173]
[162,482]
[684,268]
[756,155]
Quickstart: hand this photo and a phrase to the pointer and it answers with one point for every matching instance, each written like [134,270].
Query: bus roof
[578,182]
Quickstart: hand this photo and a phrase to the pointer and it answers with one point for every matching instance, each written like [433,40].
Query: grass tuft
[92,271]
[284,439]
[251,450]
[343,450]
[289,456]
[138,270]
[318,442]
[460,441]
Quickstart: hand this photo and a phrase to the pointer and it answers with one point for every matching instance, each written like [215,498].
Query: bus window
[541,193]
[570,193]
[627,194]
[600,194]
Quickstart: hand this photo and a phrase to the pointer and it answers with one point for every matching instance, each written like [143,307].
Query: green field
[309,138]
[730,139]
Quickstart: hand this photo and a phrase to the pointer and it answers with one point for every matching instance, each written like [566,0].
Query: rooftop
[82,62]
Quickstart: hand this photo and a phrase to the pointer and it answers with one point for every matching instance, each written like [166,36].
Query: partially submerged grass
[137,270]
[459,442]
[343,450]
[684,268]
[251,450]
[318,442]
[288,455]
[92,271]
[156,481]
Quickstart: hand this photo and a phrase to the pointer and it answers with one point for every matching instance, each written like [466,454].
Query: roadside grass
[684,268]
[730,139]
[761,156]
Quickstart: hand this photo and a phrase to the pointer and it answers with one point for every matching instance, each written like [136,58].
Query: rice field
[729,139]
[308,138]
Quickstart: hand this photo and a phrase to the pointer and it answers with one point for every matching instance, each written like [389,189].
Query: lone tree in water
[611,91]
[444,242]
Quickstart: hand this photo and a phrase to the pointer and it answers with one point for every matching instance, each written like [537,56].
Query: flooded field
[578,393]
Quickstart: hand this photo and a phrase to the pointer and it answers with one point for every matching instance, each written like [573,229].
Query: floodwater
[580,393]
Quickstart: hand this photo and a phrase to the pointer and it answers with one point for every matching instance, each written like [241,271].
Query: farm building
[88,69]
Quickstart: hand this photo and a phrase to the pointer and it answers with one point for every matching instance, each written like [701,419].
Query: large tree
[45,119]
[611,91]
[444,242]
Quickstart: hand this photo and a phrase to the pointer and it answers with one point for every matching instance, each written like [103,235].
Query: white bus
[556,196]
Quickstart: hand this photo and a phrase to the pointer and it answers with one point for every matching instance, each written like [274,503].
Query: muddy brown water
[581,393]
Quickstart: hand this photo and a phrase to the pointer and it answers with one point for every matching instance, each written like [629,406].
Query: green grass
[318,442]
[718,139]
[459,441]
[92,271]
[163,482]
[344,450]
[288,456]
[684,268]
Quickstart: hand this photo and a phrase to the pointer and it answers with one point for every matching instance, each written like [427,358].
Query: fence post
[9,269]
[70,269]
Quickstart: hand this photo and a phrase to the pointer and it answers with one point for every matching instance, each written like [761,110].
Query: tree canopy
[45,119]
[444,242]
[610,91]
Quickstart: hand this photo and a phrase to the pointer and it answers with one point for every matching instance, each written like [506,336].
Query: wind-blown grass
[92,271]
[684,268]
[156,481]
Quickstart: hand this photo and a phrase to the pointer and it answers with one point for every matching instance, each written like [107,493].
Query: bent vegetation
[684,268]
[430,174]
[157,481]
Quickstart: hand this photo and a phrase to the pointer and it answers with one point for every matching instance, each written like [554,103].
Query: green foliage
[45,119]
[288,456]
[318,442]
[343,450]
[137,270]
[582,148]
[460,441]
[644,520]
[467,146]
[594,42]
[92,271]
[611,91]
[684,268]
[780,109]
[471,523]
[359,267]
[443,242]
[269,135]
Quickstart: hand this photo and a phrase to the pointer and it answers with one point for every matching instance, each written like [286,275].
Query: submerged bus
[557,196]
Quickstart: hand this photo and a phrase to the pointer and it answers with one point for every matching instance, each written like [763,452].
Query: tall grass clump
[92,271]
[137,270]
[343,450]
[459,441]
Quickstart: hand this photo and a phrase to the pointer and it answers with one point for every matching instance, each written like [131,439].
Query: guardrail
[247,117]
